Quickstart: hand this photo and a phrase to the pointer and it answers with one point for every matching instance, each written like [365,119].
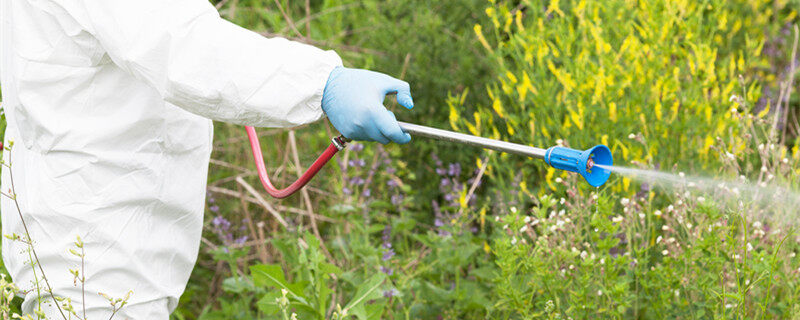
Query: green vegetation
[434,231]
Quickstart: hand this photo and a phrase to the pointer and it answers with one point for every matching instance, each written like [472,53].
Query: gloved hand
[353,101]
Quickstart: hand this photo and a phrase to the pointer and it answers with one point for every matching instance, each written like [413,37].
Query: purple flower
[438,223]
[357,181]
[444,182]
[357,163]
[347,190]
[214,208]
[388,254]
[221,223]
[390,170]
[454,169]
[241,240]
[441,171]
[356,147]
[397,199]
[391,183]
[387,271]
[367,192]
[390,293]
[436,160]
[387,232]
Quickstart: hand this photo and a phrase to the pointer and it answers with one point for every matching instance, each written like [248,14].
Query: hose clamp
[339,142]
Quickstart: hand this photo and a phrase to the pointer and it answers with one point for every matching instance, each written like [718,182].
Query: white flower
[617,219]
[583,255]
[749,247]
[602,260]
[664,228]
[527,219]
[733,97]
[599,292]
[677,293]
[514,240]
[505,226]
[763,168]
[558,180]
[525,227]
[658,240]
[496,218]
[631,136]
[701,199]
[625,201]
[681,174]
[594,197]
[734,110]
[562,200]
[760,147]
[560,143]
[657,213]
[665,252]
[514,209]
[730,155]
[784,160]
[670,208]
[641,216]
[689,225]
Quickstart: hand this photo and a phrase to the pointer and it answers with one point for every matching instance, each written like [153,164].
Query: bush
[672,73]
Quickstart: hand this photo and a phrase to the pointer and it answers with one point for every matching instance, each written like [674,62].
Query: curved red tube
[334,147]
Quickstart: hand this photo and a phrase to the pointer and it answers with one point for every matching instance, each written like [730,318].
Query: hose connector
[583,162]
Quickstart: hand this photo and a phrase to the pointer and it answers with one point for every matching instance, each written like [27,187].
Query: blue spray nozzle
[582,162]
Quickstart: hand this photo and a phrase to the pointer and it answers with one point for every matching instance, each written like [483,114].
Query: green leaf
[269,304]
[237,285]
[328,268]
[272,275]
[368,290]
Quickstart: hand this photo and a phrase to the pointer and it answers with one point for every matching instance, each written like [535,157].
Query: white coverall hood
[108,102]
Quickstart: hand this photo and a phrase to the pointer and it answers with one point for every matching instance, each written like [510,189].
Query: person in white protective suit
[109,103]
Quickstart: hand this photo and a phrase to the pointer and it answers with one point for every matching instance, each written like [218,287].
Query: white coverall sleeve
[207,65]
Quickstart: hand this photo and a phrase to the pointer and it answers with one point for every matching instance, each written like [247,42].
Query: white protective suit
[109,103]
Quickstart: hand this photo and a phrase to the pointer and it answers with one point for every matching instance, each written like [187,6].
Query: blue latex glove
[353,101]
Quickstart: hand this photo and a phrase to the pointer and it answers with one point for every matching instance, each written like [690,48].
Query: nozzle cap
[583,162]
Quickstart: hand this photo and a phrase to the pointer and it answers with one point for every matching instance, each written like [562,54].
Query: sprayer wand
[582,162]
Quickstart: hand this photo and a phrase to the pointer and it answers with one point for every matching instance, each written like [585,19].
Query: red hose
[304,179]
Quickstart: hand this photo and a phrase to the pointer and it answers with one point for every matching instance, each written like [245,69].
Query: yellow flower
[481,38]
[612,112]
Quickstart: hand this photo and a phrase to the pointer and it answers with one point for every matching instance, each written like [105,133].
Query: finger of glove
[391,129]
[403,90]
[373,131]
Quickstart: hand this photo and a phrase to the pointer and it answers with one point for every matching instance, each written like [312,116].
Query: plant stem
[30,241]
